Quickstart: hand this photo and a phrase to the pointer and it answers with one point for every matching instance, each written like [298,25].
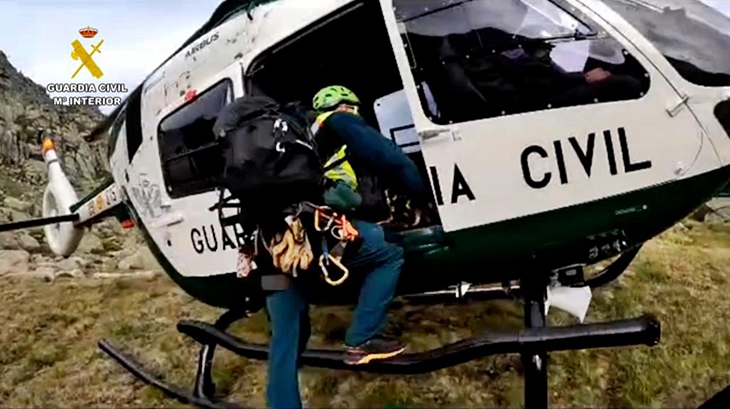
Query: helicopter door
[531,108]
[183,168]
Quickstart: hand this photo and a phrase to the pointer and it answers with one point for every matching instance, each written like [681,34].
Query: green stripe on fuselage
[504,250]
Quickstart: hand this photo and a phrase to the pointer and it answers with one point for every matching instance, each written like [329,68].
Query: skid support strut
[204,387]
[535,360]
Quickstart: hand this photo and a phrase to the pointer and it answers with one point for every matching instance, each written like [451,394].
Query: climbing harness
[329,223]
[291,251]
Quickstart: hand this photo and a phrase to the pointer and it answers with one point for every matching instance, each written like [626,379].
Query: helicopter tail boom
[65,214]
[59,196]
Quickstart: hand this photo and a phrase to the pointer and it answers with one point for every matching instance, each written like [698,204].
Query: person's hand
[596,75]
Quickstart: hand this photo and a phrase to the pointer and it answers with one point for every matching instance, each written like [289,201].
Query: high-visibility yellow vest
[342,170]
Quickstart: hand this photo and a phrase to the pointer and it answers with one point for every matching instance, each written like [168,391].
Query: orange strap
[341,228]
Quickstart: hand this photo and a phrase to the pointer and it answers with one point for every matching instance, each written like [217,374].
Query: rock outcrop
[25,108]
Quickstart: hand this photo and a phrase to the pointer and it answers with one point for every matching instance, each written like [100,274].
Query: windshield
[693,36]
[535,19]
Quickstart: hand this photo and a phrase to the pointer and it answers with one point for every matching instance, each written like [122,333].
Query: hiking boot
[373,349]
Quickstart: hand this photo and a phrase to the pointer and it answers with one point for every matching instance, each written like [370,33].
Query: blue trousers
[288,313]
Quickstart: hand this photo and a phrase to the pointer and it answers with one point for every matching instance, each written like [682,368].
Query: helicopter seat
[440,67]
[466,79]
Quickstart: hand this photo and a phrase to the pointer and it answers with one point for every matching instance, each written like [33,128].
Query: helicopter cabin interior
[472,60]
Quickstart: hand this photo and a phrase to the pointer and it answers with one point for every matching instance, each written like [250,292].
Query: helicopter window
[692,35]
[364,50]
[482,58]
[134,124]
[190,158]
[115,131]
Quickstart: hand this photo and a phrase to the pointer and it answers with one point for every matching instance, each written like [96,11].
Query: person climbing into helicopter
[361,154]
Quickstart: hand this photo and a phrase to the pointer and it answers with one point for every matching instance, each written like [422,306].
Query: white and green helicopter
[555,134]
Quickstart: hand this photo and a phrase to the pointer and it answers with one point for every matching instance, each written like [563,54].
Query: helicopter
[554,135]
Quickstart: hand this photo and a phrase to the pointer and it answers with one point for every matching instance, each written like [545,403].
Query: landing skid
[172,391]
[533,344]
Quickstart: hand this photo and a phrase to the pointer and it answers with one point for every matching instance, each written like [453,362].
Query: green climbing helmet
[330,97]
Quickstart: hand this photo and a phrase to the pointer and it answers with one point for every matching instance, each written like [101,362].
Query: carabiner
[338,233]
[327,278]
[318,213]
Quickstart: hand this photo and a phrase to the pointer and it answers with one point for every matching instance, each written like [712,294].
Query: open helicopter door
[515,126]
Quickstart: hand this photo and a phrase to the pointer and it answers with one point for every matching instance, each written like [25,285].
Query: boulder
[17,204]
[34,171]
[45,273]
[14,261]
[5,215]
[141,259]
[18,216]
[90,243]
[71,264]
[9,241]
[28,243]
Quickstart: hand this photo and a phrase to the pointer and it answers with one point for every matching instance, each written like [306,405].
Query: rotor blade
[38,222]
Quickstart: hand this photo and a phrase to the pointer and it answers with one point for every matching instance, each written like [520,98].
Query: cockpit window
[531,18]
[693,36]
[484,58]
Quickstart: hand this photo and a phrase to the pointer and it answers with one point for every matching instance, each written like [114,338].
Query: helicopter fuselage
[527,176]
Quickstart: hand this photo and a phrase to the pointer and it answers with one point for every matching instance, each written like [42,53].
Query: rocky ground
[103,252]
[106,248]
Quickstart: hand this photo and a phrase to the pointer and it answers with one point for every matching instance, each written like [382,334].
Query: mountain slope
[24,109]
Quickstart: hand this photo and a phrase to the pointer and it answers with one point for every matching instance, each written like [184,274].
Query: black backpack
[270,159]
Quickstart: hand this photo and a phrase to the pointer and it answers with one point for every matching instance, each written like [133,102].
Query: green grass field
[49,355]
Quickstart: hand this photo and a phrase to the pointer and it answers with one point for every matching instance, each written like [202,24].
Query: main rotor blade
[39,222]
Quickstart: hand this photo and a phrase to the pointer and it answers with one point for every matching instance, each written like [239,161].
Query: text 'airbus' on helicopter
[555,134]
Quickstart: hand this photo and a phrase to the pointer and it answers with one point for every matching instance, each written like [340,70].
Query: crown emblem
[88,32]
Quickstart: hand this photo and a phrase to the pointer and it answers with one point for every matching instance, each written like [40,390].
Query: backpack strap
[320,121]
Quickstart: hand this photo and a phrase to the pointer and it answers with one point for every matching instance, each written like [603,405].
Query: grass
[50,358]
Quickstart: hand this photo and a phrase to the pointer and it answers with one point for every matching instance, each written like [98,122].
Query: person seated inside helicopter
[506,73]
[541,81]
